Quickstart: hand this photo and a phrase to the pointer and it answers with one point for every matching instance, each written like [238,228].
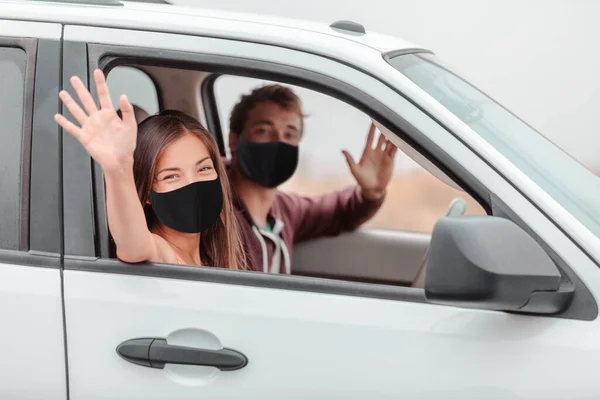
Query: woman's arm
[111,141]
[126,219]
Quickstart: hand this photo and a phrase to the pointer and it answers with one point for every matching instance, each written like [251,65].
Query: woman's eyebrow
[172,169]
[202,160]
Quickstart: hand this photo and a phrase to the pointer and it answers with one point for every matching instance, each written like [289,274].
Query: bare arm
[126,219]
[111,142]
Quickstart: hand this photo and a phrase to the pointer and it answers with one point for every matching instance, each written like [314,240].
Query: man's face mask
[190,209]
[268,164]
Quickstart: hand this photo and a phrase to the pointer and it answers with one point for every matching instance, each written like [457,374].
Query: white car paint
[309,345]
[473,324]
[299,344]
[32,353]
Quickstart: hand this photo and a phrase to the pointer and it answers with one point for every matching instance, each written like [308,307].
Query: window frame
[40,219]
[29,46]
[106,56]
[156,87]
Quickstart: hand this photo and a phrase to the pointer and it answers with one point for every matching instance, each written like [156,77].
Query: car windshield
[568,182]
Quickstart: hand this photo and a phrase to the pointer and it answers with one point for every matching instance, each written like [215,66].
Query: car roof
[160,17]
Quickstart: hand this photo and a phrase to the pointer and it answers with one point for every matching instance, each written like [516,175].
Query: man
[265,131]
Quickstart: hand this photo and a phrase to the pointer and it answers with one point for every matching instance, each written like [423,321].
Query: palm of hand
[108,139]
[374,170]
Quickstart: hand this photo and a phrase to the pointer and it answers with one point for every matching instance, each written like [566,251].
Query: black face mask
[190,209]
[268,164]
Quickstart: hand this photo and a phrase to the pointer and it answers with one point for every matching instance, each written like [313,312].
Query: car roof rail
[149,1]
[104,2]
[88,2]
[348,27]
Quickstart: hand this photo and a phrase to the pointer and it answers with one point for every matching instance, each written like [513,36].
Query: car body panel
[303,345]
[299,343]
[32,347]
[198,21]
[341,346]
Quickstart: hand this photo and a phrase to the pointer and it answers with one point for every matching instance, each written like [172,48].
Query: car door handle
[156,352]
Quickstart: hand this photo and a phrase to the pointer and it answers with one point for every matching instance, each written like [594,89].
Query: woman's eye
[169,177]
[203,169]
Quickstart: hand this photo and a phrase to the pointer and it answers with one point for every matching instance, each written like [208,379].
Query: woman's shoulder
[164,251]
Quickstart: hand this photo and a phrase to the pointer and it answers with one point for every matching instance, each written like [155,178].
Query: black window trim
[29,46]
[108,56]
[211,111]
[35,247]
[45,235]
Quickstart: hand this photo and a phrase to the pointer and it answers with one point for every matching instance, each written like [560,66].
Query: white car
[509,309]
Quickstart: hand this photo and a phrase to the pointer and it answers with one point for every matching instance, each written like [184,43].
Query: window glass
[567,181]
[12,91]
[415,199]
[136,84]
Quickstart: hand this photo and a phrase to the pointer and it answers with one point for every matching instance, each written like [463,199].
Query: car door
[270,336]
[32,365]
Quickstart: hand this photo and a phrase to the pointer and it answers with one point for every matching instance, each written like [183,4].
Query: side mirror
[490,263]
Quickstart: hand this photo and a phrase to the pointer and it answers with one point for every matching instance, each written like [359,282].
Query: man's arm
[347,209]
[329,214]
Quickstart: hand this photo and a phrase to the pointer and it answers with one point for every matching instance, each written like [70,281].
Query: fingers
[381,142]
[350,161]
[128,115]
[102,90]
[390,149]
[371,135]
[84,95]
[70,127]
[73,107]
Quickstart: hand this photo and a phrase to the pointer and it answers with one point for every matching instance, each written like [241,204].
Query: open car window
[415,200]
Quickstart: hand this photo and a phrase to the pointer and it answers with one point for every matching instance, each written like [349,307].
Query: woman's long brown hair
[220,245]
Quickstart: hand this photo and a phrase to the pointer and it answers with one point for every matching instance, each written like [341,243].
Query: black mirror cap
[491,263]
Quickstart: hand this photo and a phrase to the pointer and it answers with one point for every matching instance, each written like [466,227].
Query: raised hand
[108,139]
[374,170]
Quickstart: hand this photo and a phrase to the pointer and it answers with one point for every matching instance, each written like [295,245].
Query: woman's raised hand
[108,139]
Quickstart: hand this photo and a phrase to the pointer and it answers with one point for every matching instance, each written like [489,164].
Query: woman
[167,194]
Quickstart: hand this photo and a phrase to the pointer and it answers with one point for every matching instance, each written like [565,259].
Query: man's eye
[261,131]
[290,135]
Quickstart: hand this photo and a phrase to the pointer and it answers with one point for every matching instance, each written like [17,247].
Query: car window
[415,199]
[12,84]
[138,86]
[568,182]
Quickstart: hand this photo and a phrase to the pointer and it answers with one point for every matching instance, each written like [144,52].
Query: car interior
[379,252]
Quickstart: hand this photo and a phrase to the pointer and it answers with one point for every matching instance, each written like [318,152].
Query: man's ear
[233,142]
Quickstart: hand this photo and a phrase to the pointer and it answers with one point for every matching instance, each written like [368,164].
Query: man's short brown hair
[274,93]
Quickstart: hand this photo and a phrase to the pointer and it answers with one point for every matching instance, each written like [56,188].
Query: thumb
[350,162]
[127,111]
